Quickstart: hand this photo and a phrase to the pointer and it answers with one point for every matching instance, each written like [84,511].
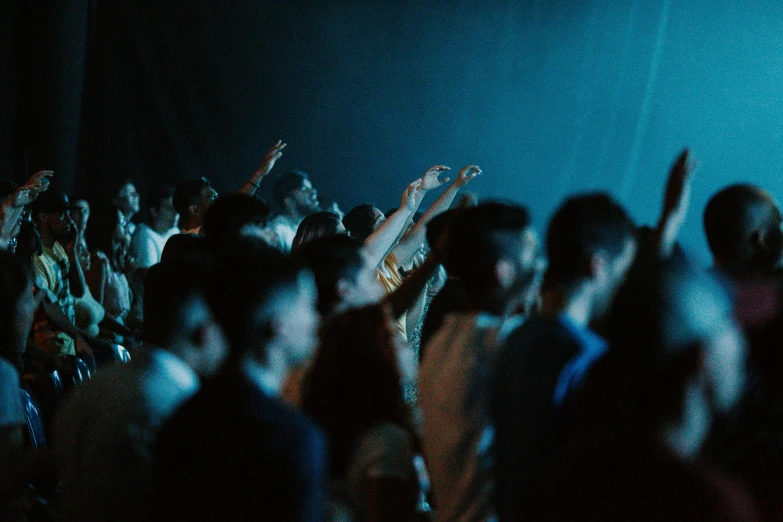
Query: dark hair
[479,237]
[14,281]
[354,382]
[286,184]
[228,214]
[249,278]
[99,235]
[7,188]
[167,288]
[182,247]
[157,196]
[360,221]
[332,258]
[582,226]
[187,193]
[315,226]
[727,217]
[646,369]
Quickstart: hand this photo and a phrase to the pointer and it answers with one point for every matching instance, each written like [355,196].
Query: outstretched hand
[26,194]
[271,157]
[466,174]
[430,180]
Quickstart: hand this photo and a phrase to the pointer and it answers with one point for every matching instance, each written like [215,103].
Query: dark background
[547,96]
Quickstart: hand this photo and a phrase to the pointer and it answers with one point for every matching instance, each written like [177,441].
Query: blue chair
[36,435]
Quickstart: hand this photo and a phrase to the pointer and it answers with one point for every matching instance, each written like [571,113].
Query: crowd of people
[234,360]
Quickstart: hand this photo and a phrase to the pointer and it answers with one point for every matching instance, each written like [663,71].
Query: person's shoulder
[8,373]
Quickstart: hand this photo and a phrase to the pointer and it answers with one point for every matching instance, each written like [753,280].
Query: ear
[343,289]
[154,212]
[505,273]
[758,239]
[193,210]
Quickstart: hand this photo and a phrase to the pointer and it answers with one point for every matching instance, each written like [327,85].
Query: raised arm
[13,207]
[409,244]
[675,205]
[251,185]
[379,243]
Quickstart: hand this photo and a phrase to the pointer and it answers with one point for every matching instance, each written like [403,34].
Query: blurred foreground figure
[591,245]
[676,358]
[493,250]
[106,431]
[236,451]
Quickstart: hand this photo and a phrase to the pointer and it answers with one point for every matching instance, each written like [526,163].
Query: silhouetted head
[343,275]
[315,226]
[494,251]
[161,207]
[233,216]
[590,241]
[295,195]
[742,223]
[192,199]
[362,220]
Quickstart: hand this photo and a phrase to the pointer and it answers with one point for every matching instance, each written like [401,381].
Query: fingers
[438,168]
[445,180]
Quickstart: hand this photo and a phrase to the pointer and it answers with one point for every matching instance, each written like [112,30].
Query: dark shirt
[450,299]
[539,367]
[235,453]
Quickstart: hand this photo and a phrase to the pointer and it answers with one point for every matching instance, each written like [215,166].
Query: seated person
[148,241]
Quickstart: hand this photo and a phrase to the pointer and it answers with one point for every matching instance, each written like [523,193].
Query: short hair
[315,226]
[286,184]
[727,217]
[249,282]
[168,287]
[7,188]
[582,226]
[14,281]
[99,235]
[479,238]
[332,258]
[360,221]
[187,193]
[228,214]
[160,194]
[117,183]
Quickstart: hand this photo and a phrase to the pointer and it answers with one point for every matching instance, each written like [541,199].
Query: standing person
[148,240]
[590,245]
[126,200]
[235,451]
[106,430]
[493,249]
[296,198]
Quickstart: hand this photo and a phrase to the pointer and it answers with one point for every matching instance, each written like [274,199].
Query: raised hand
[26,194]
[411,196]
[678,186]
[430,179]
[466,174]
[271,157]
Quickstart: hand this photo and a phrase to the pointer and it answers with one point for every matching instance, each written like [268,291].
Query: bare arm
[13,207]
[412,287]
[251,185]
[379,243]
[409,244]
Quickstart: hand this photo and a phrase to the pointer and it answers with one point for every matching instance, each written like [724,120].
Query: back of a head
[187,193]
[581,227]
[182,247]
[285,184]
[100,232]
[157,196]
[332,258]
[168,287]
[229,214]
[481,236]
[729,219]
[360,221]
[354,381]
[666,321]
[314,226]
[250,279]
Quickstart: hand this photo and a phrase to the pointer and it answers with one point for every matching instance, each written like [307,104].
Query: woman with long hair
[354,392]
[315,226]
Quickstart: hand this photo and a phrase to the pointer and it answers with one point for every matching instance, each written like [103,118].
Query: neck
[47,240]
[576,302]
[273,371]
[192,222]
[294,216]
[160,227]
[491,304]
